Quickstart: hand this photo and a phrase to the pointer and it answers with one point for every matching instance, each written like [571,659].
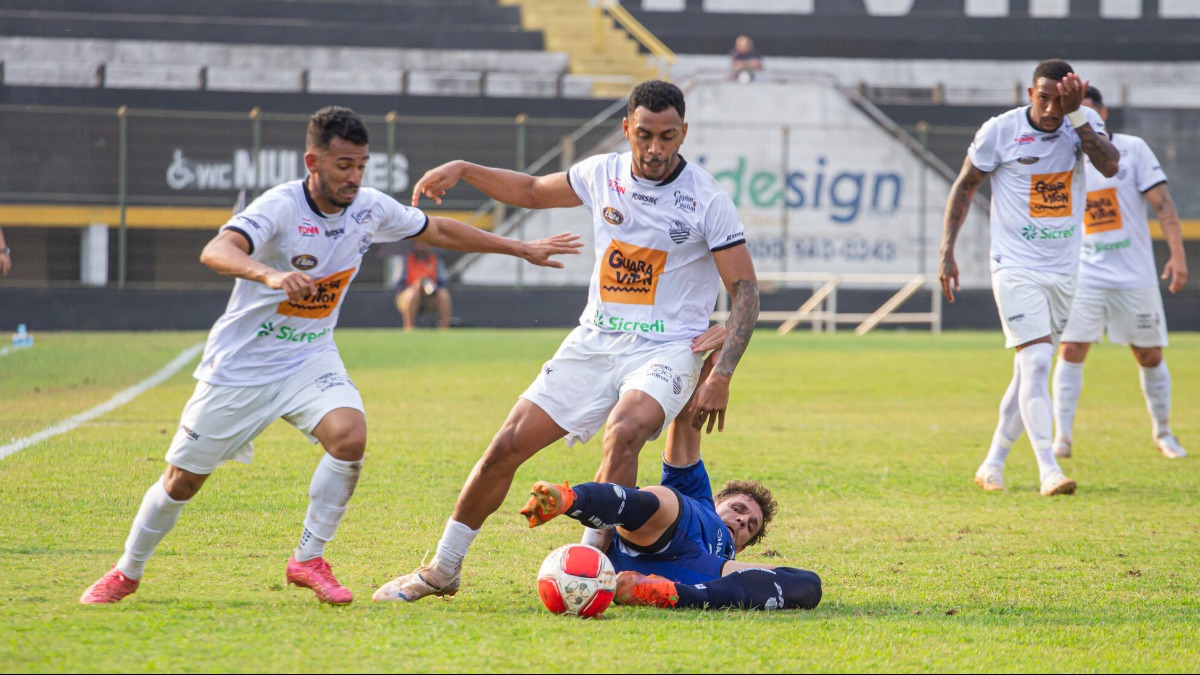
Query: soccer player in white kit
[294,250]
[666,236]
[1118,292]
[1035,161]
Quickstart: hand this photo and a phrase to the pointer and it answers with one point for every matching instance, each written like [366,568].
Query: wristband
[1078,118]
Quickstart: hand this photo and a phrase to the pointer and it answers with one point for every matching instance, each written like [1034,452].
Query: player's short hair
[760,494]
[1052,69]
[1094,94]
[333,121]
[656,96]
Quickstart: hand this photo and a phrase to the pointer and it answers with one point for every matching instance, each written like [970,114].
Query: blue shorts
[701,543]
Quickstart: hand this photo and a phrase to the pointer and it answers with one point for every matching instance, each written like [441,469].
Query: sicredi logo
[613,216]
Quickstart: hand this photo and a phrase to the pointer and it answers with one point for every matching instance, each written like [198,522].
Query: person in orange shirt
[422,281]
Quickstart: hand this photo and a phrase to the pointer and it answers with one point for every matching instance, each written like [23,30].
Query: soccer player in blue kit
[675,543]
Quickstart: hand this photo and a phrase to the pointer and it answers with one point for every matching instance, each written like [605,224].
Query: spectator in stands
[422,284]
[745,60]
[5,256]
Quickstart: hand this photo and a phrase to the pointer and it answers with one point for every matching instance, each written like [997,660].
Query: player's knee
[625,436]
[1148,358]
[504,454]
[182,485]
[802,590]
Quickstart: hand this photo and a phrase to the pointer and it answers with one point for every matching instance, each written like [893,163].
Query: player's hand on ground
[948,275]
[1176,272]
[539,251]
[711,400]
[713,338]
[1071,90]
[297,285]
[436,182]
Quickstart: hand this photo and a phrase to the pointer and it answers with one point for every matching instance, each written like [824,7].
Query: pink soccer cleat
[110,588]
[317,575]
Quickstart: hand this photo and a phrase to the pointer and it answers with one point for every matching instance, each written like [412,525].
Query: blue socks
[606,505]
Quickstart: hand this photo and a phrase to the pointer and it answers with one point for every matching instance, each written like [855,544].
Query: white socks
[332,484]
[1156,386]
[1033,362]
[154,520]
[453,546]
[1068,384]
[596,538]
[1010,426]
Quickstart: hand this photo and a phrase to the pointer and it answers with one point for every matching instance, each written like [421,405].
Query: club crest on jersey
[308,229]
[304,262]
[685,202]
[364,244]
[615,186]
[613,216]
[679,231]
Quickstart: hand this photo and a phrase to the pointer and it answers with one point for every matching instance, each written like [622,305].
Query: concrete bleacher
[381,47]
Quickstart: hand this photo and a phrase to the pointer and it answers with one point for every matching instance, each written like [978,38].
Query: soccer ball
[577,579]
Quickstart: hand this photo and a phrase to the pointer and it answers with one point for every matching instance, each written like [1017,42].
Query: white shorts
[219,423]
[1032,304]
[592,369]
[1130,316]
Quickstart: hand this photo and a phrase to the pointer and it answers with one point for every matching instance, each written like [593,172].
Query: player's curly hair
[336,121]
[1052,69]
[760,494]
[656,96]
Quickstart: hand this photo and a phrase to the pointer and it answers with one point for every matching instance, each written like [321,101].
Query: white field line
[111,404]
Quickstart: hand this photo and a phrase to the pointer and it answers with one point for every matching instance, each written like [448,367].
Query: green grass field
[869,443]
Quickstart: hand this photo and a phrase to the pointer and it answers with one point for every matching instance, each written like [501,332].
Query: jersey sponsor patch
[1050,194]
[613,216]
[629,274]
[321,304]
[1103,212]
[304,262]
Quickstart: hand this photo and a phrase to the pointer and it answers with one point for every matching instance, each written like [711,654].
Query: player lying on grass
[675,543]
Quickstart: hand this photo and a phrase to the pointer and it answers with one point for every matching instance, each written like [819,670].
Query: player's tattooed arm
[1175,270]
[957,206]
[743,314]
[1104,155]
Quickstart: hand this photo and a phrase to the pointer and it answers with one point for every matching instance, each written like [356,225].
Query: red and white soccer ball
[577,579]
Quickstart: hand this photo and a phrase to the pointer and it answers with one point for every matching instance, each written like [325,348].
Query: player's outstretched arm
[228,253]
[451,234]
[510,187]
[1175,270]
[712,396]
[1104,155]
[957,207]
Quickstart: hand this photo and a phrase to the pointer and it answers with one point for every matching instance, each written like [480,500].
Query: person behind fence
[422,286]
[744,60]
[295,252]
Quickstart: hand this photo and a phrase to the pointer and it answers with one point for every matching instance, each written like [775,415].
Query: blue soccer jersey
[702,544]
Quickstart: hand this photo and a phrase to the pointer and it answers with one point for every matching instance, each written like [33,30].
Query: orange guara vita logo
[1103,212]
[324,301]
[1050,194]
[629,274]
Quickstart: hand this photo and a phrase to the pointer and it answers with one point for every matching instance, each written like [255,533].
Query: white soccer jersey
[1038,190]
[263,337]
[654,273]
[1117,252]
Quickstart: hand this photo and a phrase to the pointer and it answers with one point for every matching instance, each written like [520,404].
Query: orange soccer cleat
[645,590]
[547,501]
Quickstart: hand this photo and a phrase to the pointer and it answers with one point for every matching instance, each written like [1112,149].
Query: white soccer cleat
[1057,484]
[416,585]
[1062,448]
[990,478]
[1169,447]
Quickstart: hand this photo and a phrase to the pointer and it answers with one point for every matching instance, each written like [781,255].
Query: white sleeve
[1095,120]
[1147,169]
[984,149]
[583,177]
[399,221]
[722,225]
[260,221]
